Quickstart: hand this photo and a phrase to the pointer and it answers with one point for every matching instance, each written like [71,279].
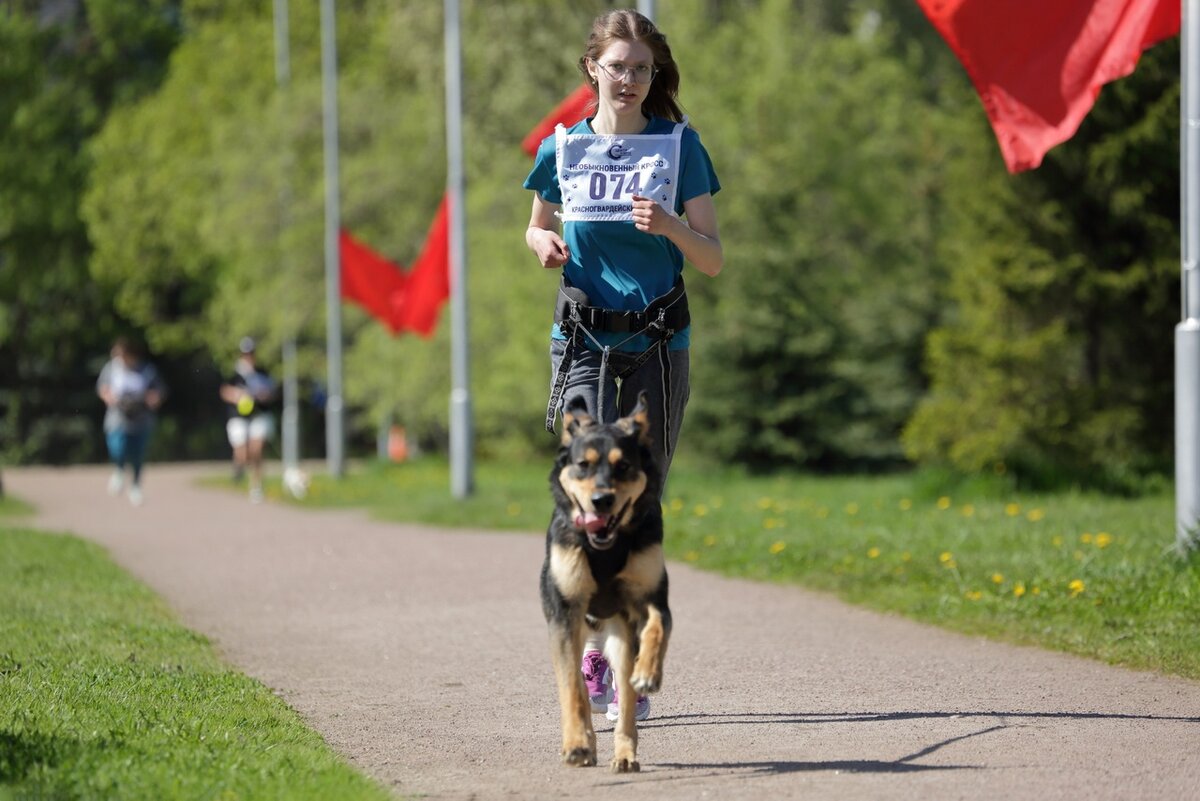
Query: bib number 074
[598,185]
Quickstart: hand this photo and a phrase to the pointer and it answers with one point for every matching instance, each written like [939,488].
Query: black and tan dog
[604,571]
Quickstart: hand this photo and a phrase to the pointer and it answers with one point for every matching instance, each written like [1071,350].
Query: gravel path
[421,655]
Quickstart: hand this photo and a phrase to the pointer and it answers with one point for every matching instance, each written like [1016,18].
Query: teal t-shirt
[618,266]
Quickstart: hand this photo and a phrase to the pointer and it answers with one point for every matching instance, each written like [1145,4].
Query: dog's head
[604,471]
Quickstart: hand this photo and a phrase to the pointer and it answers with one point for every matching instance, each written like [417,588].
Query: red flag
[417,307]
[1038,66]
[370,280]
[571,110]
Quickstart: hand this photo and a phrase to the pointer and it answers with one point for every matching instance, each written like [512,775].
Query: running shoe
[598,678]
[641,711]
[116,482]
[135,495]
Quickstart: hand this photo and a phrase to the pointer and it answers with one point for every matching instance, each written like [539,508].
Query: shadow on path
[793,718]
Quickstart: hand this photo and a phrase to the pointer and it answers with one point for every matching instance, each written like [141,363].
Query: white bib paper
[600,173]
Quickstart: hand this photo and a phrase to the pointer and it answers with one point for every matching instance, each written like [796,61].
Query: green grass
[104,696]
[10,507]
[1084,573]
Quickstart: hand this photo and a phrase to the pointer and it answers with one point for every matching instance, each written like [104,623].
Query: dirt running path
[421,655]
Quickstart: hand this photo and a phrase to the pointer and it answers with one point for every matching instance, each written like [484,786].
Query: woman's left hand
[650,217]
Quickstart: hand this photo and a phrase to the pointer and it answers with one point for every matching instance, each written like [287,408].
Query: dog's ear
[575,419]
[638,421]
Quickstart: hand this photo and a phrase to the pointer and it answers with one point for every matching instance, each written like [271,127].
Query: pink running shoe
[641,711]
[598,679]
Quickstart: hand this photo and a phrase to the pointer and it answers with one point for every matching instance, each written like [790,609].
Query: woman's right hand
[549,248]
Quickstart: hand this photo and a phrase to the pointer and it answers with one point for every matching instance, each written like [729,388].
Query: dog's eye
[583,464]
[622,467]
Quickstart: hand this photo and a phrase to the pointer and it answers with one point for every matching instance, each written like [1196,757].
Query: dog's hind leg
[566,652]
[652,649]
[618,647]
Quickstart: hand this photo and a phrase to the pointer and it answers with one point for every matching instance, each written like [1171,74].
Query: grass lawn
[1085,573]
[104,696]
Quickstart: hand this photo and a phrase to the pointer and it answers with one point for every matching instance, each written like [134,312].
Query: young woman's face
[624,94]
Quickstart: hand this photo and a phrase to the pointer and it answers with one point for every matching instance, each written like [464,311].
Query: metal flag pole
[291,405]
[334,433]
[1187,333]
[462,481]
[646,8]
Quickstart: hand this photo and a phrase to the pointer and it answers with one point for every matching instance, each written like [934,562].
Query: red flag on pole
[417,307]
[402,301]
[571,110]
[1038,66]
[370,280]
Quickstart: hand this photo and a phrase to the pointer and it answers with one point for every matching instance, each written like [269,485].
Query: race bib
[600,173]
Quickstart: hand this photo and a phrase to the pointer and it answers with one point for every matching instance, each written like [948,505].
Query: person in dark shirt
[249,395]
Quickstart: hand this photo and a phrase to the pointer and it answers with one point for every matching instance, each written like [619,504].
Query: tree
[1058,364]
[60,74]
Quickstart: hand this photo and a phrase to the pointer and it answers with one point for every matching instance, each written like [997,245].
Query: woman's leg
[665,378]
[135,445]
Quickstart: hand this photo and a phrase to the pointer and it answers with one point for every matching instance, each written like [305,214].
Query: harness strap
[573,325]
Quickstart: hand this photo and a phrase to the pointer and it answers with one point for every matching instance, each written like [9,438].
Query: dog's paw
[579,757]
[624,765]
[646,683]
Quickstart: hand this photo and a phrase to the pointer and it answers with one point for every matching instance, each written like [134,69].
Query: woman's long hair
[628,25]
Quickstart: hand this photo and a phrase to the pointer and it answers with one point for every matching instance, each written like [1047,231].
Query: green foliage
[835,157]
[59,76]
[1058,363]
[104,695]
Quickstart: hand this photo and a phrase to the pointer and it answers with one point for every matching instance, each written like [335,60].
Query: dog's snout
[602,502]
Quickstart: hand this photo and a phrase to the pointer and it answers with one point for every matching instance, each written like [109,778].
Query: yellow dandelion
[968,510]
[873,553]
[777,546]
[691,556]
[1103,540]
[943,503]
[1035,590]
[973,595]
[514,509]
[997,578]
[906,557]
[710,541]
[1057,542]
[852,509]
[699,510]
[905,504]
[1076,587]
[1019,589]
[764,503]
[1085,537]
[1035,515]
[1012,509]
[945,557]
[677,504]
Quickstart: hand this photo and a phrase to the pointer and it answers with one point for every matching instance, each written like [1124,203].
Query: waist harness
[660,320]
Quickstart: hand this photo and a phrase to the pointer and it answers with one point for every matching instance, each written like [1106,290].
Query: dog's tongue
[591,521]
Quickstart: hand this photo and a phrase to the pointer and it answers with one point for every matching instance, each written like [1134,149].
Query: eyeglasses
[616,71]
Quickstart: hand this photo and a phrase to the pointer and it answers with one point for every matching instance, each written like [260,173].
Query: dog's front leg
[619,649]
[566,652]
[652,648]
